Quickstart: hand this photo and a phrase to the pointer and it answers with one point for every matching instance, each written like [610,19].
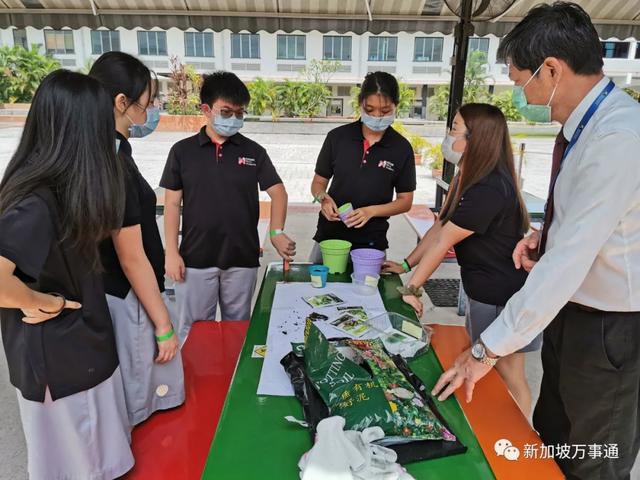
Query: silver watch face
[478,351]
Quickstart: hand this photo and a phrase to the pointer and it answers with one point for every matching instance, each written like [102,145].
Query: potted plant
[433,152]
[418,144]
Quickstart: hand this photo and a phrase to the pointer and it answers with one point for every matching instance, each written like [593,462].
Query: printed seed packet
[357,312]
[350,324]
[325,300]
[316,317]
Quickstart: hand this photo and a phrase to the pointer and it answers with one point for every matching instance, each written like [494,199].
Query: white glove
[349,455]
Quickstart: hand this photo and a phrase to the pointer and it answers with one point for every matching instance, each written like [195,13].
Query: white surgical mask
[447,150]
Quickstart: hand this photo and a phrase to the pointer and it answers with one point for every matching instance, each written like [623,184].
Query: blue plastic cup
[318,275]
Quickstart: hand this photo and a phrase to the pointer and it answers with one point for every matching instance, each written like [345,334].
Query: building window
[103,41]
[383,49]
[291,47]
[152,43]
[428,49]
[615,50]
[20,38]
[245,45]
[198,44]
[479,45]
[59,41]
[336,48]
[638,50]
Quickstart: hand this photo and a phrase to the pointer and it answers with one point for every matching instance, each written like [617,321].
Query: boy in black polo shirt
[215,175]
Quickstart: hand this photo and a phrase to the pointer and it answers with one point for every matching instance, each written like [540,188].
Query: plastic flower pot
[367,261]
[335,255]
[344,211]
[318,275]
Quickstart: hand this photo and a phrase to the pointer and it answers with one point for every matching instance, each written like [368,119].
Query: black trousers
[590,392]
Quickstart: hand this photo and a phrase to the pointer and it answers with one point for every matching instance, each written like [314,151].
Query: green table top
[254,441]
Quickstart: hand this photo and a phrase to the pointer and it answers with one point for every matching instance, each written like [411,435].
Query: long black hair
[68,146]
[124,73]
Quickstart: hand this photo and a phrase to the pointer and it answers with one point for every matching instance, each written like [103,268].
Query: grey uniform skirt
[480,315]
[83,436]
[148,386]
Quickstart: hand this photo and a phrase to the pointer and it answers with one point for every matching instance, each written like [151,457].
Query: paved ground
[294,156]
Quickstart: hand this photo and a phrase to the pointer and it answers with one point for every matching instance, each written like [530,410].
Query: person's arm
[436,247]
[599,200]
[139,272]
[319,191]
[361,216]
[416,254]
[283,244]
[174,264]
[15,294]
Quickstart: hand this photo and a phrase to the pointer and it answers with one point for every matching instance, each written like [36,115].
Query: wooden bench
[494,415]
[175,443]
[263,221]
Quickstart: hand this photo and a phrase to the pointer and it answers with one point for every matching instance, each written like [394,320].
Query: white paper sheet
[287,321]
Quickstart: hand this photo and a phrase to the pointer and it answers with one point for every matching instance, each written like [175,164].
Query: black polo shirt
[219,184]
[364,176]
[490,210]
[74,351]
[140,209]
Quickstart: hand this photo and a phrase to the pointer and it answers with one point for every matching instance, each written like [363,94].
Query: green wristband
[275,232]
[165,337]
[406,266]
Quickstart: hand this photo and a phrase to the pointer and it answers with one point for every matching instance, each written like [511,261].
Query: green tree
[263,96]
[633,93]
[301,99]
[184,96]
[321,71]
[406,94]
[475,86]
[21,72]
[504,103]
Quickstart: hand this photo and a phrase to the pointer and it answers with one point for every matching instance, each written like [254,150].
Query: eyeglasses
[228,113]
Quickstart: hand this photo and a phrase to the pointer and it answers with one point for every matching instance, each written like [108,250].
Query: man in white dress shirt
[583,289]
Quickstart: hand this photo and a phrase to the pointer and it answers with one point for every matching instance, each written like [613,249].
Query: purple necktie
[558,151]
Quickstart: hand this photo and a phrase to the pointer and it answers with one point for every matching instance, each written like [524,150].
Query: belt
[584,308]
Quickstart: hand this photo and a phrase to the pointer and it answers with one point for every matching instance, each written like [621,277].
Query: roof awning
[613,18]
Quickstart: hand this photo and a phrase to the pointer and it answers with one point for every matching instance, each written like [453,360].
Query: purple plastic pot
[367,261]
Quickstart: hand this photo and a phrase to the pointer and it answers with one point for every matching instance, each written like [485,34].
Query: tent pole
[463,30]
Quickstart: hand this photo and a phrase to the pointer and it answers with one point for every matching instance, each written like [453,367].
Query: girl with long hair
[133,255]
[61,194]
[484,217]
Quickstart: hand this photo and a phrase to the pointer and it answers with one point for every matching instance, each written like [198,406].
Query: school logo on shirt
[246,161]
[387,165]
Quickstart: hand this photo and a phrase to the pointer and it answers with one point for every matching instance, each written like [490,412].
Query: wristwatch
[479,352]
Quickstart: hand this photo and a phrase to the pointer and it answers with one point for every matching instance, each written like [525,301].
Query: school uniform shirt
[74,351]
[140,209]
[363,176]
[489,209]
[593,248]
[219,184]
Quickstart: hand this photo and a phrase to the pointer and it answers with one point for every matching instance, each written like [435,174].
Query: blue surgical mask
[377,124]
[533,113]
[117,145]
[227,127]
[147,128]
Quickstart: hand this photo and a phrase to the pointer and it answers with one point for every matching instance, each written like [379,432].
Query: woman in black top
[367,162]
[133,257]
[61,194]
[484,216]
